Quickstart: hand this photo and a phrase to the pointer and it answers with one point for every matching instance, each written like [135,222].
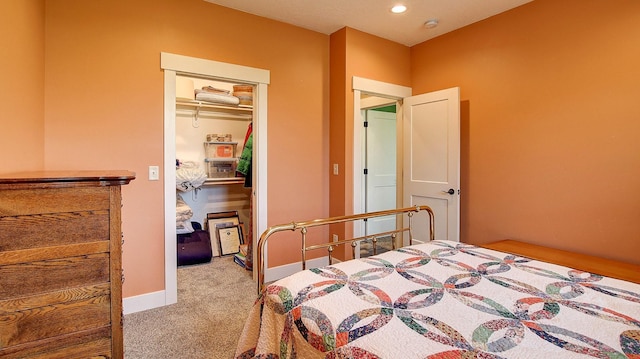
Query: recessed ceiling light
[398,9]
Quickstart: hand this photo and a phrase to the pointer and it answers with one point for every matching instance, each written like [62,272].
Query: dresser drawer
[53,229]
[25,279]
[54,320]
[53,200]
[95,343]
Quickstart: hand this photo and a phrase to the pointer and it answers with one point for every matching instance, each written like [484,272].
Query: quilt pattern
[444,300]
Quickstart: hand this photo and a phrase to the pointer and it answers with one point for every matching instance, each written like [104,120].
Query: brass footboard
[303,226]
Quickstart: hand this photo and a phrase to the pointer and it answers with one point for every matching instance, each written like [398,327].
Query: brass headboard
[303,226]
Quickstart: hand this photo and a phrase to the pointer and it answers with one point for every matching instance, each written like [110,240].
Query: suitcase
[195,247]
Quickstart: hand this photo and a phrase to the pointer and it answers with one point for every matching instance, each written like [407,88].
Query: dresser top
[105,178]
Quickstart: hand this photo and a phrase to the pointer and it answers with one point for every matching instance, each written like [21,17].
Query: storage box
[220,149]
[215,137]
[220,169]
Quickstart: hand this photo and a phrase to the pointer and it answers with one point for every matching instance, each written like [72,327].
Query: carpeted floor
[382,245]
[213,301]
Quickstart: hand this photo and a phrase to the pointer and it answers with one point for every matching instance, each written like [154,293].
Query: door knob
[450,191]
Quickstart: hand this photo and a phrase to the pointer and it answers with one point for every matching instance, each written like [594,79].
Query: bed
[444,299]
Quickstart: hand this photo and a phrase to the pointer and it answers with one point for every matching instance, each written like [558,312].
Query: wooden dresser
[61,264]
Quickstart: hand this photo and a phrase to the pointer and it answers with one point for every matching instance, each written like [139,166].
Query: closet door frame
[173,65]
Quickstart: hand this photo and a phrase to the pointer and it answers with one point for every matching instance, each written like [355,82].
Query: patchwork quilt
[444,300]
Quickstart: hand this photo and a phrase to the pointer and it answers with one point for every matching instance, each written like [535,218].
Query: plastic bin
[220,149]
[217,168]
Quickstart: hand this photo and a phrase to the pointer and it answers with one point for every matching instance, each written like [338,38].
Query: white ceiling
[374,16]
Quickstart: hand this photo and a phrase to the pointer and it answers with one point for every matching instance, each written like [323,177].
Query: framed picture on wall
[216,221]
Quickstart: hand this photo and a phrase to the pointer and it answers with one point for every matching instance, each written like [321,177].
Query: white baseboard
[142,302]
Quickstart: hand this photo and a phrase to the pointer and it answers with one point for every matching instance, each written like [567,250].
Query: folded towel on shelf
[215,90]
[183,216]
[183,211]
[189,178]
[218,98]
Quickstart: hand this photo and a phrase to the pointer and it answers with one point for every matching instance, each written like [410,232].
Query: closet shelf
[207,106]
[223,181]
[209,109]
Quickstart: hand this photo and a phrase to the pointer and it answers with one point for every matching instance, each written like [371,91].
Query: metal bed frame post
[410,215]
[303,231]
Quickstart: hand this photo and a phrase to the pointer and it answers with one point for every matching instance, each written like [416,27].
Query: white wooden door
[431,160]
[381,168]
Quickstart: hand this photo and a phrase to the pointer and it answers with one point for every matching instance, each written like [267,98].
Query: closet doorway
[178,65]
[211,131]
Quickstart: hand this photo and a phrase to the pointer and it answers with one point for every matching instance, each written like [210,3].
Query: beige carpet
[382,245]
[213,301]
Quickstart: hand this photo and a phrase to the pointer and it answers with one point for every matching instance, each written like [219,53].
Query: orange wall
[377,59]
[104,106]
[355,53]
[22,85]
[339,95]
[365,56]
[551,150]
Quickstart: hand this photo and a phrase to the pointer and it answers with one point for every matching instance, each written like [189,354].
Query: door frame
[362,85]
[173,64]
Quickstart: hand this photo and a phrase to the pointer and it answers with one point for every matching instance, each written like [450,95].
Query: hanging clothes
[245,168]
[244,164]
[249,132]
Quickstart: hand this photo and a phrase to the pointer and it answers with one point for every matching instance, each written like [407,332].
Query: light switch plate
[154,173]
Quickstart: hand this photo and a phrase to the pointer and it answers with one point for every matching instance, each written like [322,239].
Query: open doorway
[379,173]
[174,65]
[435,174]
[212,169]
[371,94]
